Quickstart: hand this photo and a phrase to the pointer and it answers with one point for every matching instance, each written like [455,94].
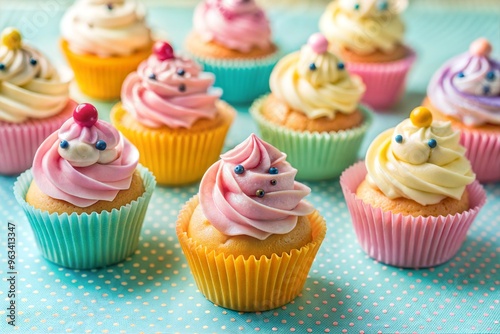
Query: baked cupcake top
[169,90]
[86,161]
[364,26]
[419,159]
[315,82]
[252,191]
[235,24]
[106,27]
[467,87]
[30,86]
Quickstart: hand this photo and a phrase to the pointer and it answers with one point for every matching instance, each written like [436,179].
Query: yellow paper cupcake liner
[248,284]
[102,78]
[179,156]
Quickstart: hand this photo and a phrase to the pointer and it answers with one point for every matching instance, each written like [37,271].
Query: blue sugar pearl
[398,139]
[260,193]
[460,74]
[100,145]
[152,76]
[356,6]
[432,143]
[273,170]
[64,144]
[33,61]
[239,169]
[2,66]
[383,5]
[181,72]
[490,76]
[340,66]
[312,67]
[486,90]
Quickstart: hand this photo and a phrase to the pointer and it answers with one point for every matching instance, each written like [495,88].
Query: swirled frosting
[169,90]
[315,82]
[467,87]
[364,26]
[238,25]
[106,27]
[252,191]
[30,87]
[422,162]
[86,161]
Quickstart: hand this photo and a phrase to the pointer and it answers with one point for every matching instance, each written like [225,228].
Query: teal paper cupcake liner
[242,80]
[87,241]
[316,156]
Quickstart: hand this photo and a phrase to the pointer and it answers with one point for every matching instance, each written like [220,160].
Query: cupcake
[313,112]
[86,196]
[232,39]
[248,236]
[415,197]
[103,41]
[466,92]
[174,116]
[368,35]
[34,101]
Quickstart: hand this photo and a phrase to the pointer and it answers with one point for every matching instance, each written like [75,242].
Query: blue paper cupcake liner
[87,241]
[316,155]
[242,80]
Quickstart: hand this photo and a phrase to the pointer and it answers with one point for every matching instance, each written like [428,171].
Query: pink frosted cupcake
[415,197]
[466,91]
[34,101]
[368,35]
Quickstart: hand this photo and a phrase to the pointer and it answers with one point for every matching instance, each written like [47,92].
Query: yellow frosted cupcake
[103,41]
[174,116]
[249,237]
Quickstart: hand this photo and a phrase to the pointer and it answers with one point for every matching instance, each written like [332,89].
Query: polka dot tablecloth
[346,291]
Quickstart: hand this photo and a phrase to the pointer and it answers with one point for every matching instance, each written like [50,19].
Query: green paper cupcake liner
[87,241]
[316,156]
[242,80]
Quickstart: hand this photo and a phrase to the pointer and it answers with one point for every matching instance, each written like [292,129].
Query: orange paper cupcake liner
[102,78]
[179,156]
[248,284]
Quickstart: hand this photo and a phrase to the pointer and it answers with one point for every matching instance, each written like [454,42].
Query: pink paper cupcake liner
[385,82]
[407,241]
[19,142]
[483,151]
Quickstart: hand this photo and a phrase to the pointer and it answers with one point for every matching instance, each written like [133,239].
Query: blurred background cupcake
[103,41]
[171,112]
[313,112]
[249,237]
[466,91]
[34,101]
[414,198]
[232,39]
[368,35]
[86,196]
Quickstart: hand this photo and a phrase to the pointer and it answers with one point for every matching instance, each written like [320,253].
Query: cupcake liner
[242,80]
[86,241]
[483,151]
[177,157]
[317,156]
[250,284]
[19,142]
[102,78]
[385,82]
[407,241]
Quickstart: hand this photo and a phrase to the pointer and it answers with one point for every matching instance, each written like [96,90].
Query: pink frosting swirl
[85,161]
[237,24]
[252,191]
[169,90]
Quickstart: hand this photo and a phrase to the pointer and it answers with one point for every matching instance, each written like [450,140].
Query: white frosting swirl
[106,27]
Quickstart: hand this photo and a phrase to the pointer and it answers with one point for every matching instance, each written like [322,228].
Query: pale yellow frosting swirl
[364,26]
[413,169]
[30,86]
[319,92]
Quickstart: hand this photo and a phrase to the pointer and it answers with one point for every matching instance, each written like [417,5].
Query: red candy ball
[85,114]
[163,51]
